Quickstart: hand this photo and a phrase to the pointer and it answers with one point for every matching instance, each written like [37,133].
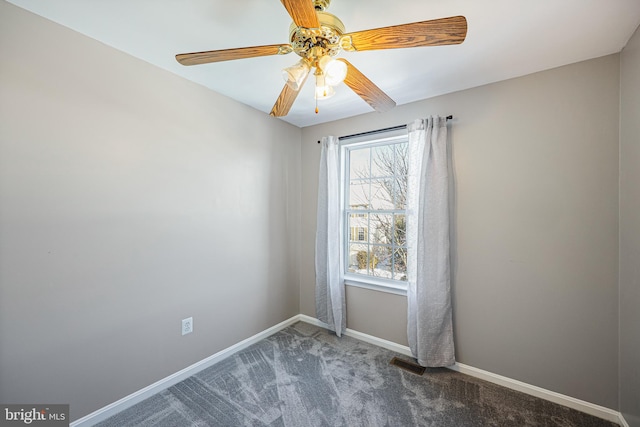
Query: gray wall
[630,232]
[130,199]
[535,229]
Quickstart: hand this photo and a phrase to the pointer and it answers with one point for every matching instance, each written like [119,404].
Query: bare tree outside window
[377,203]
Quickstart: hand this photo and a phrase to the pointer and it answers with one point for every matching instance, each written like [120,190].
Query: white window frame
[381,284]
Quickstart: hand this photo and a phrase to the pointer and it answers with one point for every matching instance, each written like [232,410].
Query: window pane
[358,258]
[400,229]
[401,161]
[400,192]
[359,227]
[380,228]
[359,196]
[382,161]
[359,163]
[400,263]
[382,194]
[382,260]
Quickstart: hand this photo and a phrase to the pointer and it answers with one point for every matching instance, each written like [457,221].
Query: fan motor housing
[326,38]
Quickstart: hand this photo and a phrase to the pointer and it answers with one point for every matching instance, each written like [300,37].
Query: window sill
[375,284]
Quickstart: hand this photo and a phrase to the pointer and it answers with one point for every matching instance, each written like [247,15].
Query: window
[374,186]
[359,234]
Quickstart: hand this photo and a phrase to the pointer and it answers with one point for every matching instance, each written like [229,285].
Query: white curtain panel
[430,329]
[330,299]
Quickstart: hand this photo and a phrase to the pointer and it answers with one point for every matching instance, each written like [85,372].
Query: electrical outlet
[187,326]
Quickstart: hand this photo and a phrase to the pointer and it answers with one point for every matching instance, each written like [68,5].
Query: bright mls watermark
[36,415]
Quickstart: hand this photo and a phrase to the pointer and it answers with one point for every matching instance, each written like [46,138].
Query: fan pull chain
[316,105]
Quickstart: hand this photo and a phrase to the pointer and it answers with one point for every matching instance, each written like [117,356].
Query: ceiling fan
[318,36]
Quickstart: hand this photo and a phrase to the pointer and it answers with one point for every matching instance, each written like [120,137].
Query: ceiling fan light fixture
[334,71]
[318,36]
[296,74]
[324,92]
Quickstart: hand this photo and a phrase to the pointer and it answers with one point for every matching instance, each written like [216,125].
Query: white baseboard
[561,399]
[622,421]
[577,404]
[140,395]
[389,345]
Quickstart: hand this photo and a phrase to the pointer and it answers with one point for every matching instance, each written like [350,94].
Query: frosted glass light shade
[324,92]
[296,74]
[334,71]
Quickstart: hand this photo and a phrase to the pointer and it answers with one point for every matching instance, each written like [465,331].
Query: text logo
[34,415]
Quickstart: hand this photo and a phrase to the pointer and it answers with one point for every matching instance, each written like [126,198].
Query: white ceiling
[506,38]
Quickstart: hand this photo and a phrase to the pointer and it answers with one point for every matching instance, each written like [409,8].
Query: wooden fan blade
[231,54]
[366,89]
[285,100]
[302,12]
[437,32]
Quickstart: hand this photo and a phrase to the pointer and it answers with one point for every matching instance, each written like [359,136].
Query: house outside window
[374,188]
[358,234]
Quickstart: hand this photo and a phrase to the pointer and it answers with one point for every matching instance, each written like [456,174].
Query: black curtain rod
[373,132]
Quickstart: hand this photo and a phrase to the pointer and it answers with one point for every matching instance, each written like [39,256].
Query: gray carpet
[305,376]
